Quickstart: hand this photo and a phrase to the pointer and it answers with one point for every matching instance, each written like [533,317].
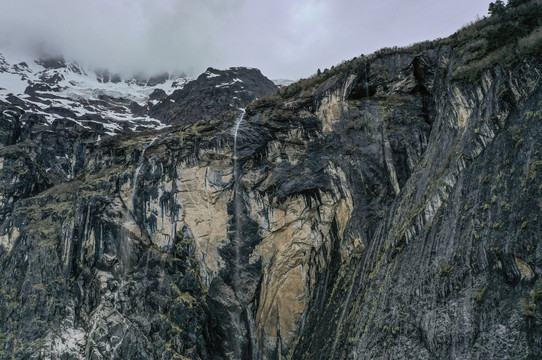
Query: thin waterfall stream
[138,169]
[125,244]
[125,249]
[237,199]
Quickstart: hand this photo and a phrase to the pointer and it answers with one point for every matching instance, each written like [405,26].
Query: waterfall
[125,327]
[125,238]
[138,169]
[124,252]
[235,131]
[237,199]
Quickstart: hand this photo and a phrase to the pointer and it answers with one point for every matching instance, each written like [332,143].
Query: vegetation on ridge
[507,35]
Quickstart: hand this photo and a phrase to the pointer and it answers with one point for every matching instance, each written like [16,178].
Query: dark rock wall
[386,210]
[451,270]
[215,95]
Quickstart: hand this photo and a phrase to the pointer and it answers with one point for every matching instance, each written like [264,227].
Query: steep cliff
[385,208]
[109,243]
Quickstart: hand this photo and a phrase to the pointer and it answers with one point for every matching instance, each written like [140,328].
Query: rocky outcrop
[433,283]
[216,95]
[263,212]
[386,208]
[109,224]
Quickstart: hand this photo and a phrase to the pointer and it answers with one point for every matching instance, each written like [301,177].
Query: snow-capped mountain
[214,95]
[111,104]
[58,89]
[60,112]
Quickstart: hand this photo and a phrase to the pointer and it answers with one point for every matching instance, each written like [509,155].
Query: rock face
[111,252]
[450,269]
[215,94]
[386,208]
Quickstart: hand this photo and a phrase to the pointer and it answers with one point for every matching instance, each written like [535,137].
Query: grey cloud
[283,38]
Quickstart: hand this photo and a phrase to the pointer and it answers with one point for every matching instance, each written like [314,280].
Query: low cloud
[288,39]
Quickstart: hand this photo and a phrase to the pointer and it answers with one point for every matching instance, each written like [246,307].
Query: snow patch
[12,84]
[229,84]
[78,90]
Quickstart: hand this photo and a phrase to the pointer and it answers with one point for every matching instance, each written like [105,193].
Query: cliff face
[215,95]
[451,269]
[109,245]
[387,208]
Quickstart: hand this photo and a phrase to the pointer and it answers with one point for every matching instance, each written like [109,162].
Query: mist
[284,39]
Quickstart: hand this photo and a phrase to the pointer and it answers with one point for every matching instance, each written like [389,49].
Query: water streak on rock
[237,199]
[138,169]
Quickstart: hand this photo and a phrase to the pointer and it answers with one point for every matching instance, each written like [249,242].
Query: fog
[285,39]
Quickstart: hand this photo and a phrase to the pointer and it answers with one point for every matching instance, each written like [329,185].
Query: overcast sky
[284,38]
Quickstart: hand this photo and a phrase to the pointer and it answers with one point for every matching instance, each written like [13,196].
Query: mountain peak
[52,62]
[215,94]
[46,84]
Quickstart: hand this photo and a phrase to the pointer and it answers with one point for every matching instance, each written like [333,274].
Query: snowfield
[60,90]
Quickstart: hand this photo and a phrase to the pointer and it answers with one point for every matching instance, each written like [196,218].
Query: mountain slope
[212,95]
[53,166]
[57,89]
[385,208]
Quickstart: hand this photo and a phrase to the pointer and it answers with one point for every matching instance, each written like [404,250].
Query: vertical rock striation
[386,208]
